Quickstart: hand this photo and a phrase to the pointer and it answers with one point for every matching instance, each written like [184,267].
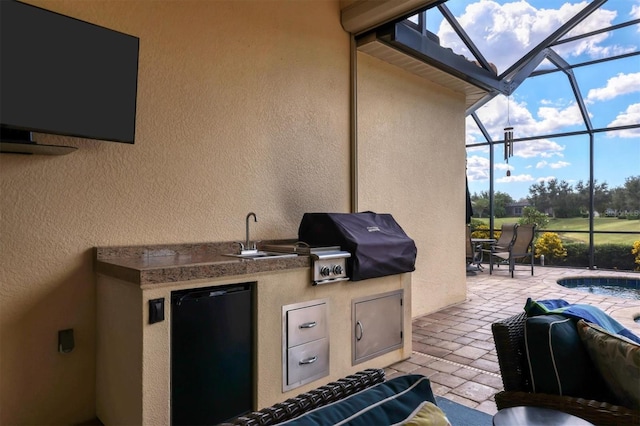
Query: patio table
[477,244]
[536,416]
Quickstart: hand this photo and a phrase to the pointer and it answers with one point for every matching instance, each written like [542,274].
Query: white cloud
[621,84]
[477,168]
[516,178]
[504,33]
[635,13]
[630,116]
[542,148]
[545,178]
[556,165]
[548,119]
[483,149]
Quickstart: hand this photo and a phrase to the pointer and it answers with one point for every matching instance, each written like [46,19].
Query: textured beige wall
[411,159]
[239,102]
[242,106]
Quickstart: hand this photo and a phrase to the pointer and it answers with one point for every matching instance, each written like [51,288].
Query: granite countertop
[156,264]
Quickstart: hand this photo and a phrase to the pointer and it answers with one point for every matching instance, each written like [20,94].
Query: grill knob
[325,271]
[337,269]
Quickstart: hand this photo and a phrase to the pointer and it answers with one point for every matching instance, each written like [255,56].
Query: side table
[536,416]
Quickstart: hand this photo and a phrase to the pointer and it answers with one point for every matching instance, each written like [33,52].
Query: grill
[328,263]
[377,245]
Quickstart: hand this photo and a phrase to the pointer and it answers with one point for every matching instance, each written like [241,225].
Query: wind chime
[508,139]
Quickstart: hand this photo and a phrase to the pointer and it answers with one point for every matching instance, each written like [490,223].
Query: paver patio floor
[454,347]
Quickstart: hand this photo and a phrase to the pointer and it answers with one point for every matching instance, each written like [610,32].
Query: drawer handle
[309,360]
[359,325]
[308,324]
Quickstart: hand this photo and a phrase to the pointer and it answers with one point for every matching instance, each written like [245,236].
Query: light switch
[156,310]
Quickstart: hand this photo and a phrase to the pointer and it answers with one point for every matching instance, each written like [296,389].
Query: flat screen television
[64,76]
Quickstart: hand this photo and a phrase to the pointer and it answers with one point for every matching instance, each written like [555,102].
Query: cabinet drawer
[308,362]
[306,324]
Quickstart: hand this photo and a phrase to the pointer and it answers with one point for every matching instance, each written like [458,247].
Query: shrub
[530,215]
[480,231]
[614,256]
[607,256]
[635,250]
[550,245]
[477,223]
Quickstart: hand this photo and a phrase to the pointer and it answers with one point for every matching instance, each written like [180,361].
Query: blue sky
[504,31]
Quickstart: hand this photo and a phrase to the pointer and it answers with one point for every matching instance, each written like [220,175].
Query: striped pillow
[396,401]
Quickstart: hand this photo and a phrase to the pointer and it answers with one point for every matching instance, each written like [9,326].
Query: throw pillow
[428,415]
[558,362]
[617,359]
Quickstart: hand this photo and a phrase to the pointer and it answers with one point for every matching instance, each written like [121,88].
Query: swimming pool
[628,288]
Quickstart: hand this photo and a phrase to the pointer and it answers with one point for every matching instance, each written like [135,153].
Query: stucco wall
[242,106]
[411,164]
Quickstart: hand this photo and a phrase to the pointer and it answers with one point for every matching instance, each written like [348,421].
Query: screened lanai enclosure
[553,114]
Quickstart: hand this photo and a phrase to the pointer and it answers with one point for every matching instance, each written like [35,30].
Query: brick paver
[454,347]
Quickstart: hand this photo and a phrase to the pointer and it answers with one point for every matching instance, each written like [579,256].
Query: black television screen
[64,76]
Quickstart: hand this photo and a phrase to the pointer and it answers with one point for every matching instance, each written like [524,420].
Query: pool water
[628,288]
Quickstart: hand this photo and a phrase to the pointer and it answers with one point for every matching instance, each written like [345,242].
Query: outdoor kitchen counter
[133,351]
[158,264]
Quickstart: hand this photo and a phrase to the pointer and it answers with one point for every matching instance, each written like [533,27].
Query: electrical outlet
[66,341]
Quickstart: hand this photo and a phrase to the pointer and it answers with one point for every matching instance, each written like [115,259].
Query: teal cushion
[395,401]
[558,361]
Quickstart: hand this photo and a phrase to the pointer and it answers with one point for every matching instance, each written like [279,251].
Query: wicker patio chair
[508,335]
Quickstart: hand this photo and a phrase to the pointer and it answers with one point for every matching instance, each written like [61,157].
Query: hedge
[606,256]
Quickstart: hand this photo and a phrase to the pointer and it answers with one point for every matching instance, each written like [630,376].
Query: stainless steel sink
[258,254]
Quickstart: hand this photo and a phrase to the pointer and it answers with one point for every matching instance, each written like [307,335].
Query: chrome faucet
[247,244]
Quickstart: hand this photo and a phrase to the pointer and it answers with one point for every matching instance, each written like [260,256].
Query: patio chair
[509,338]
[473,253]
[507,234]
[520,248]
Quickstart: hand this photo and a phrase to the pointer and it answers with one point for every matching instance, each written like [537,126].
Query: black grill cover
[377,244]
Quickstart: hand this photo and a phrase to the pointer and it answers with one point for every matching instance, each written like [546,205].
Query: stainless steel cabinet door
[377,325]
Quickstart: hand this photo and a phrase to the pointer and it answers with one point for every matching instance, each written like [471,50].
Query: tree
[480,206]
[539,196]
[632,193]
[618,199]
[602,197]
[560,197]
[500,202]
[566,202]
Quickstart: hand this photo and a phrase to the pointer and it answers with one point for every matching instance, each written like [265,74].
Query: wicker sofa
[509,337]
[364,398]
[308,401]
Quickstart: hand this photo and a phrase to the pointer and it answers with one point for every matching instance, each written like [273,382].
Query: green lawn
[582,224]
